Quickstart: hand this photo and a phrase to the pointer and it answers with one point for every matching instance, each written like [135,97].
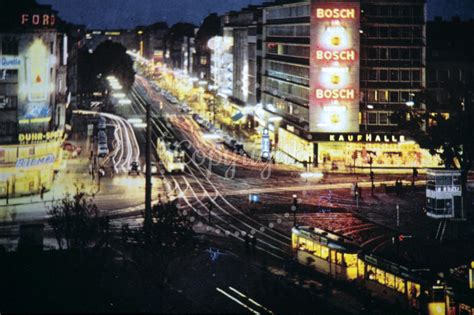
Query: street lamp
[294,207]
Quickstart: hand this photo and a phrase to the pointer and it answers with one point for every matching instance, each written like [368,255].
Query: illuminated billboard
[35,85]
[334,66]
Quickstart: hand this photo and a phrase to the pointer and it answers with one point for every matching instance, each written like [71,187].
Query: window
[416,76]
[395,32]
[9,46]
[372,75]
[372,53]
[383,118]
[393,96]
[416,54]
[383,75]
[405,32]
[372,96]
[404,96]
[203,60]
[405,75]
[384,32]
[372,32]
[404,54]
[394,75]
[372,118]
[383,96]
[394,53]
[383,53]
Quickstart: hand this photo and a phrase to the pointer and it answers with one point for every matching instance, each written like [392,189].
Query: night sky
[129,13]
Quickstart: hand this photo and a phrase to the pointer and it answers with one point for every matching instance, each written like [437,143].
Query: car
[102,150]
[134,168]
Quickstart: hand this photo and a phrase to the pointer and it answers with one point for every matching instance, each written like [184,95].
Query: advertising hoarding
[334,66]
[35,85]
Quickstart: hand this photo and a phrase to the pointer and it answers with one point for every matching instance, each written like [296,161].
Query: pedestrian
[254,243]
[42,191]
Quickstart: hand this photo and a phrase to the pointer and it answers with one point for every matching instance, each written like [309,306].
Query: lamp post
[294,208]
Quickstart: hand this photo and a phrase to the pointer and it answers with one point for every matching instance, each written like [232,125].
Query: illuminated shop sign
[359,137]
[40,136]
[10,62]
[35,86]
[368,137]
[38,19]
[32,162]
[334,66]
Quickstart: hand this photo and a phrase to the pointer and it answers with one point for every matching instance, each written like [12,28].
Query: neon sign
[334,66]
[32,162]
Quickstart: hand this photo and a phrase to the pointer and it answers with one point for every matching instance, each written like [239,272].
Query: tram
[340,258]
[326,252]
[171,156]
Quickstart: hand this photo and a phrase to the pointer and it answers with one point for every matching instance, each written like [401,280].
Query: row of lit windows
[394,32]
[385,278]
[300,30]
[321,251]
[285,89]
[285,107]
[379,118]
[287,12]
[387,96]
[286,71]
[396,53]
[392,75]
[288,50]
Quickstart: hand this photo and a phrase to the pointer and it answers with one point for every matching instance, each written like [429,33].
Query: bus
[171,156]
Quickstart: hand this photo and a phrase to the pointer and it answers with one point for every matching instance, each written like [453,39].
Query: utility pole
[398,215]
[148,218]
[8,190]
[294,208]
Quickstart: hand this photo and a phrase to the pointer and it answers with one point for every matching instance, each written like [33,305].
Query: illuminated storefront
[353,150]
[31,152]
[26,168]
[334,66]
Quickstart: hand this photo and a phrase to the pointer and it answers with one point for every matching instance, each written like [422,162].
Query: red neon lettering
[36,19]
[347,94]
[24,18]
[322,13]
[348,55]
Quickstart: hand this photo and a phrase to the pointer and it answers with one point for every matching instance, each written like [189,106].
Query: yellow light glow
[436,308]
[37,74]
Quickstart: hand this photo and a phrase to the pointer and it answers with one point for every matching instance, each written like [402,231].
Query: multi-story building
[450,59]
[333,74]
[179,46]
[242,42]
[32,98]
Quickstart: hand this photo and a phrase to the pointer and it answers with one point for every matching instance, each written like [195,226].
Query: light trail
[126,148]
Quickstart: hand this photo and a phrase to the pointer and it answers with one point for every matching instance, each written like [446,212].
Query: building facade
[32,100]
[333,74]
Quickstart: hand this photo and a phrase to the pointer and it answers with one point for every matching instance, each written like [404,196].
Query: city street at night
[237,157]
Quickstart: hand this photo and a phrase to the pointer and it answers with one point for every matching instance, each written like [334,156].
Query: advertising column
[334,73]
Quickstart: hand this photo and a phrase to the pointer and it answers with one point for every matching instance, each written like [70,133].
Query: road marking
[251,300]
[237,301]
